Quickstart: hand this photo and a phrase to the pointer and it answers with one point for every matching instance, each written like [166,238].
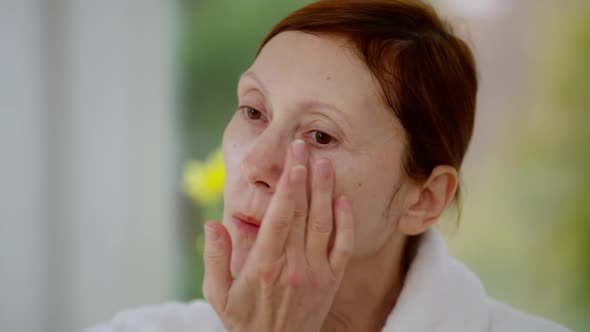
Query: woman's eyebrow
[252,75]
[316,104]
[308,104]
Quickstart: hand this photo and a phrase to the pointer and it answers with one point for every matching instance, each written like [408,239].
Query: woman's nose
[263,164]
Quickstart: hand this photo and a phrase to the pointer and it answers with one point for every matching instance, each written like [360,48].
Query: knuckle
[214,255]
[346,224]
[266,275]
[324,186]
[299,213]
[316,283]
[294,279]
[280,224]
[320,225]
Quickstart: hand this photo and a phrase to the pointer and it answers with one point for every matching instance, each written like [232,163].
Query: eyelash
[246,110]
[248,113]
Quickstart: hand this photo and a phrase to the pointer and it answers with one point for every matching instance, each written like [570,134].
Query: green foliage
[573,99]
[555,150]
[218,42]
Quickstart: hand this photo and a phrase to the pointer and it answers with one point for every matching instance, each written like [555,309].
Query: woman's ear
[427,202]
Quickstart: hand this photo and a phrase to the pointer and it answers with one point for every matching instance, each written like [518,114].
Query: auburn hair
[427,75]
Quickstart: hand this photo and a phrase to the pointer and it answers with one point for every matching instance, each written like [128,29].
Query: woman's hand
[292,274]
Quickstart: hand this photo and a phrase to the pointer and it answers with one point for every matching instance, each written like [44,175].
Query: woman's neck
[369,289]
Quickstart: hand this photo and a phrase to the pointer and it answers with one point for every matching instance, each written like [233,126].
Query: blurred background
[111,113]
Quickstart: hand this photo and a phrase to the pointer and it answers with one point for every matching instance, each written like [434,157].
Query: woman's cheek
[235,139]
[351,180]
[344,176]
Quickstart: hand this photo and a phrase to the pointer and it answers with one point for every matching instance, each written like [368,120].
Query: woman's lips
[245,227]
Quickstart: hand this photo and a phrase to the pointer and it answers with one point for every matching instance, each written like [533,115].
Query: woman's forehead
[320,63]
[302,67]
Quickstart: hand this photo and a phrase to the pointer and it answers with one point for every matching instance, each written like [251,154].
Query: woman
[345,150]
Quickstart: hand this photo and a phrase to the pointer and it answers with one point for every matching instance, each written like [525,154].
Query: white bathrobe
[439,295]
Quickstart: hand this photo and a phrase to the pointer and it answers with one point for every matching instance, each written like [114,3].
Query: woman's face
[313,88]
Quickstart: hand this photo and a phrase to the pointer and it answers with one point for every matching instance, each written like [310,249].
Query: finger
[320,221]
[296,238]
[217,253]
[344,238]
[279,216]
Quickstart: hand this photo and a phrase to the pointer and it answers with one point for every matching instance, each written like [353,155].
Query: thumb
[217,253]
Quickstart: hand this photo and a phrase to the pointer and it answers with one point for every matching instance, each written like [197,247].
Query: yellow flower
[203,181]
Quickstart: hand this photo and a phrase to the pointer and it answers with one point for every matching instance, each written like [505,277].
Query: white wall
[87,182]
[22,172]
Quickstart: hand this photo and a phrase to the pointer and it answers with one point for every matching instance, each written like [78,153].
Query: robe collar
[440,294]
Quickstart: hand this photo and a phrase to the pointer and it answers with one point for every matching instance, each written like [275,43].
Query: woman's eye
[322,138]
[252,113]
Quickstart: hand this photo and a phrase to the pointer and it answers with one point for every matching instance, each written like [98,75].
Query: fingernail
[211,234]
[323,167]
[299,150]
[297,173]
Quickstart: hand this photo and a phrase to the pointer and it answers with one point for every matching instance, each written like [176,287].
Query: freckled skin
[296,67]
